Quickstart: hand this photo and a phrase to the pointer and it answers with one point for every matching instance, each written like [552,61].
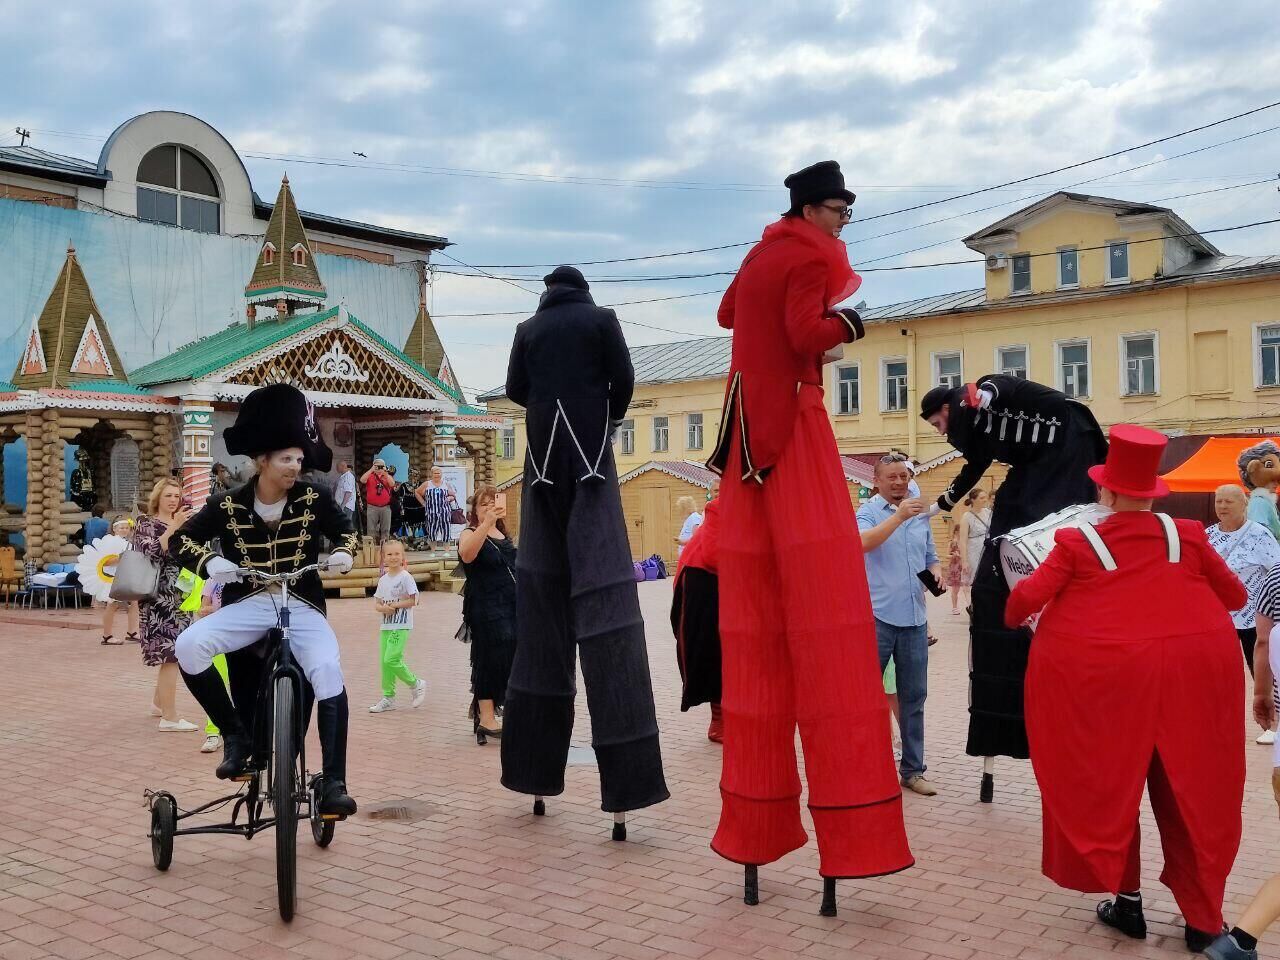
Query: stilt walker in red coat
[1125,690]
[798,644]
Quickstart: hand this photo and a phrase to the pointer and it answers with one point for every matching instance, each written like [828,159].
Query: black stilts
[751,886]
[619,826]
[539,808]
[828,908]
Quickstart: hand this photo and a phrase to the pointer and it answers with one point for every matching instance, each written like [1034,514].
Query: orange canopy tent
[1211,466]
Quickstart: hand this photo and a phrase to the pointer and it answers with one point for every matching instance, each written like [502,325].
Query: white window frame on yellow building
[935,365]
[1070,248]
[666,437]
[837,389]
[1013,272]
[1125,339]
[1108,278]
[627,437]
[689,424]
[508,439]
[884,384]
[1257,356]
[1059,379]
[1026,358]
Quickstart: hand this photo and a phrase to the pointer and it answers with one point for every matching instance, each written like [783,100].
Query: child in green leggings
[395,598]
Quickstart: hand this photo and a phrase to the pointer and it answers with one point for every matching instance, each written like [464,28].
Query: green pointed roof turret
[286,268]
[68,342]
[426,349]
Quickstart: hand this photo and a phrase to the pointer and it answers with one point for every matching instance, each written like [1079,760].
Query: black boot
[211,694]
[1198,940]
[332,727]
[1125,915]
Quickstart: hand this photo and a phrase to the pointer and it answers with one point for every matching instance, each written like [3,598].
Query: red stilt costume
[798,644]
[1134,678]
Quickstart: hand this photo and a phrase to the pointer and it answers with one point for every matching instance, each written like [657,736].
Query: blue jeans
[909,648]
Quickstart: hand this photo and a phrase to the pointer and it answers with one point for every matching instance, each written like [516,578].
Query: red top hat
[1132,462]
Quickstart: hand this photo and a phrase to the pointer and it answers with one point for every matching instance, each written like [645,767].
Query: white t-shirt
[270,512]
[346,490]
[1250,553]
[691,523]
[393,587]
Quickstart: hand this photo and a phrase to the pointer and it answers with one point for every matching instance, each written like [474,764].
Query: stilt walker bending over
[798,644]
[576,595]
[1049,442]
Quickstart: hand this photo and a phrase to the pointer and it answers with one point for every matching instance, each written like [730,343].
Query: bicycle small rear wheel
[284,793]
[164,821]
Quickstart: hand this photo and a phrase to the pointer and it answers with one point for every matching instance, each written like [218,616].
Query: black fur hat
[566,276]
[813,184]
[276,417]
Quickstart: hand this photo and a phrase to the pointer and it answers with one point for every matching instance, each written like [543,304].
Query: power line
[622,303]
[915,266]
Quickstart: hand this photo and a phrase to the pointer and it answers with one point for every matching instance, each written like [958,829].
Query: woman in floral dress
[161,619]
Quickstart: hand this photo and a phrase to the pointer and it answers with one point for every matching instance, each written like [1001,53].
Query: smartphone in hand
[501,500]
[931,583]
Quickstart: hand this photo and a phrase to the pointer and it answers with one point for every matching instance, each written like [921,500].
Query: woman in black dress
[489,607]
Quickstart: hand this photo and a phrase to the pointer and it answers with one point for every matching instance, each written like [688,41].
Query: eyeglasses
[846,212]
[894,458]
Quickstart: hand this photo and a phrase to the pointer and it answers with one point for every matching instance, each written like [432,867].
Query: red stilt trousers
[798,648]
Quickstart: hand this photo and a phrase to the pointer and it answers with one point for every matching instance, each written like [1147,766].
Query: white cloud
[676,21]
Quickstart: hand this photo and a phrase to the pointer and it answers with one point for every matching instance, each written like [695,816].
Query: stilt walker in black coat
[571,370]
[1049,442]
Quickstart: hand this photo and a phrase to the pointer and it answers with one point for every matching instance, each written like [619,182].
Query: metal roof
[54,166]
[1209,266]
[702,359]
[938,303]
[686,470]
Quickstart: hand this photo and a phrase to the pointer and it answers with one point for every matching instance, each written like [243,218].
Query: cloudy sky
[532,131]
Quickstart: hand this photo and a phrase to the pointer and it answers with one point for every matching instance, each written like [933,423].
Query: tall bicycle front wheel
[285,795]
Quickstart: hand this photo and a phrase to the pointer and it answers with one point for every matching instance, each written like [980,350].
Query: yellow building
[1122,305]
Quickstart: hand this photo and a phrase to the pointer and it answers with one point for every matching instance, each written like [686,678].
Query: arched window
[299,255]
[268,253]
[178,188]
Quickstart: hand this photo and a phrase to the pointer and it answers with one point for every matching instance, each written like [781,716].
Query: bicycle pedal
[333,816]
[244,778]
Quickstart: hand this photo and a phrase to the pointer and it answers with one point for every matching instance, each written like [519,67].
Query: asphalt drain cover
[405,811]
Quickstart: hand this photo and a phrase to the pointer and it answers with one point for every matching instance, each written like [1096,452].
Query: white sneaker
[177,726]
[419,693]
[1267,737]
[383,705]
[211,744]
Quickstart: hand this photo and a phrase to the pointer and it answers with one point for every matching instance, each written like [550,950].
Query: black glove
[854,324]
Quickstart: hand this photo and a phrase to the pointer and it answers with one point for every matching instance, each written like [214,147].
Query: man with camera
[901,560]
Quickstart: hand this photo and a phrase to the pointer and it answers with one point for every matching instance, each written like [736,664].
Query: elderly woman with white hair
[1249,550]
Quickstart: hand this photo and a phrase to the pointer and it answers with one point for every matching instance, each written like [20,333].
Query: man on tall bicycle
[272,524]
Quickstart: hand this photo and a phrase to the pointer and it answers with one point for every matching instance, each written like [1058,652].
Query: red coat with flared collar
[779,308]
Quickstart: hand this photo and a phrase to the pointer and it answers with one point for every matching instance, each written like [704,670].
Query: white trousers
[237,625]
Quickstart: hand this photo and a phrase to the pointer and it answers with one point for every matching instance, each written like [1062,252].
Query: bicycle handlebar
[248,573]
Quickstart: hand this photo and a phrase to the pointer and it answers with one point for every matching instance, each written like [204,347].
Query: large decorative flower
[97,565]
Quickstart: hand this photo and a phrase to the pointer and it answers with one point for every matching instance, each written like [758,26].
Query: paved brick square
[477,875]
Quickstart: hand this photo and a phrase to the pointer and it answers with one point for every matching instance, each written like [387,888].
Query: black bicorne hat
[813,184]
[276,417]
[934,401]
[568,277]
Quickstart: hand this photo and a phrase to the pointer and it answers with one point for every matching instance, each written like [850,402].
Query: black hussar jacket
[243,538]
[571,370]
[1025,422]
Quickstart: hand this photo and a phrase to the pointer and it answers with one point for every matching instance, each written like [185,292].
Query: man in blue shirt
[95,526]
[898,545]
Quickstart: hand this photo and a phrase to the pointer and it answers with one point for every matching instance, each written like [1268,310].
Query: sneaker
[1224,948]
[419,694]
[177,726]
[918,784]
[1266,738]
[212,744]
[383,705]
